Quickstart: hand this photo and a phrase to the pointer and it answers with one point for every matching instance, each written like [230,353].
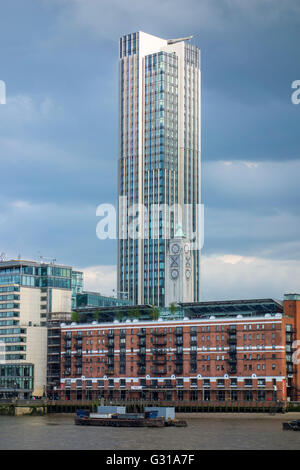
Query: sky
[59,134]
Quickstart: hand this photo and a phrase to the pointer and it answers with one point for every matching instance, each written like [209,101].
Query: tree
[154,312]
[131,314]
[96,315]
[173,310]
[119,316]
[75,317]
[137,313]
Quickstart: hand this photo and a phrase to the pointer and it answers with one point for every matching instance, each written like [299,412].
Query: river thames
[207,432]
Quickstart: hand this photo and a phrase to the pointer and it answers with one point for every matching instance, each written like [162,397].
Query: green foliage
[96,315]
[131,314]
[154,312]
[137,313]
[119,316]
[75,317]
[173,310]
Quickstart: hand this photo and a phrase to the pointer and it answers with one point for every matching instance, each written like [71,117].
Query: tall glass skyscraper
[159,158]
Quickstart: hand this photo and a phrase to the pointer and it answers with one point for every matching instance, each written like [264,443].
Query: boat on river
[291,425]
[148,419]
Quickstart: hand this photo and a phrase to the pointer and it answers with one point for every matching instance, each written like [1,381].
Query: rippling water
[204,433]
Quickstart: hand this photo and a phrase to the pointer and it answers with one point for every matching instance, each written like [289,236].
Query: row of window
[179,330]
[168,382]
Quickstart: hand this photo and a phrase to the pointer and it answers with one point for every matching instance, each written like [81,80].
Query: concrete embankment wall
[17,410]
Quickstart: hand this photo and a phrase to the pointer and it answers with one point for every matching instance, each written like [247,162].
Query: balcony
[110,371]
[159,333]
[142,333]
[110,352]
[53,361]
[168,384]
[159,361]
[160,371]
[178,332]
[53,351]
[142,370]
[162,342]
[262,385]
[110,335]
[158,351]
[232,339]
[232,330]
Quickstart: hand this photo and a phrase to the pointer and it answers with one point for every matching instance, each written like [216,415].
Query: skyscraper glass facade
[159,155]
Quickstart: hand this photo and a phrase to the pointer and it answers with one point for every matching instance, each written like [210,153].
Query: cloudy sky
[58,134]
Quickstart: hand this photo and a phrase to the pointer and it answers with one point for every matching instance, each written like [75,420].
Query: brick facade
[229,358]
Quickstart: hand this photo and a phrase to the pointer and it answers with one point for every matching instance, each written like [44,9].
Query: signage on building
[284,389]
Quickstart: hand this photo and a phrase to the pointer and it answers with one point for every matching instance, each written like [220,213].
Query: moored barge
[147,419]
[291,425]
[115,421]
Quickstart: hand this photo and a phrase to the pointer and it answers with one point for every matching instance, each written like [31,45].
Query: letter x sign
[174,261]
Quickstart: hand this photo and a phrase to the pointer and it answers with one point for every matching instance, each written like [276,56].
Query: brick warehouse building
[219,351]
